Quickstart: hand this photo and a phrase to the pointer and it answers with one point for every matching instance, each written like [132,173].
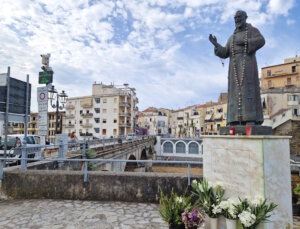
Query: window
[80,122]
[293,68]
[97,130]
[115,131]
[218,126]
[269,83]
[180,147]
[115,120]
[97,100]
[295,112]
[104,120]
[288,81]
[97,120]
[269,73]
[104,111]
[292,97]
[97,110]
[103,131]
[193,148]
[80,112]
[168,147]
[104,100]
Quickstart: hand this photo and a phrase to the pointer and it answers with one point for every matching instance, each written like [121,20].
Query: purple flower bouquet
[193,219]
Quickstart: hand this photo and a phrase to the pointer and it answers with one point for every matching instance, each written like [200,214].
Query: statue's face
[240,20]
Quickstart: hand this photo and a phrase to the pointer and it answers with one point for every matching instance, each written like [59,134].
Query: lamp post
[60,102]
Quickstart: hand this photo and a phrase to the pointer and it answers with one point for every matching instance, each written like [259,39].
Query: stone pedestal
[249,166]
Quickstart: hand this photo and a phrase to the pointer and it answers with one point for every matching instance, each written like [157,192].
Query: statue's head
[240,18]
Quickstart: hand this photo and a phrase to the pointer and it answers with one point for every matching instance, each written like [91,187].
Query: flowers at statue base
[209,197]
[228,207]
[193,219]
[252,212]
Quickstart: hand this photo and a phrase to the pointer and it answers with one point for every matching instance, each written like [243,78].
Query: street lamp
[60,102]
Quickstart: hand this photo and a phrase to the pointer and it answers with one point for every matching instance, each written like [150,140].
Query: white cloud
[280,7]
[158,46]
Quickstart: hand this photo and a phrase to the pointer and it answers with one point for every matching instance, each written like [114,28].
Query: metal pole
[24,156]
[56,124]
[7,110]
[2,163]
[189,174]
[61,152]
[26,106]
[85,162]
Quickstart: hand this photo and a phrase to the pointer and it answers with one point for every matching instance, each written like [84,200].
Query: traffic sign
[45,77]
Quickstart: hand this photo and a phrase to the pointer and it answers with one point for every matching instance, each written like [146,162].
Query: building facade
[154,120]
[109,112]
[33,125]
[284,75]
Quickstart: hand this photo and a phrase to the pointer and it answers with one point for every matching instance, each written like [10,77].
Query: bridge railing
[23,155]
[24,160]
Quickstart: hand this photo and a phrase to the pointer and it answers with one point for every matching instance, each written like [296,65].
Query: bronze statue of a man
[244,103]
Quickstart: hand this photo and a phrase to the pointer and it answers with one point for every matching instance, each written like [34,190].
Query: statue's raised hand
[213,40]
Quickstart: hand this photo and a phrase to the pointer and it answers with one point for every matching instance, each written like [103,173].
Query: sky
[159,47]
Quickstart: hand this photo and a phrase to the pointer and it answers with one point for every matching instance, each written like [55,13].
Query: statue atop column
[244,102]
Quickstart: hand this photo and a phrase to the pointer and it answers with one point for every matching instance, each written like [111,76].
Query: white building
[109,111]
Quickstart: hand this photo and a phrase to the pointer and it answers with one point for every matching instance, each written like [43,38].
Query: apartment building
[154,120]
[215,118]
[109,111]
[33,125]
[281,75]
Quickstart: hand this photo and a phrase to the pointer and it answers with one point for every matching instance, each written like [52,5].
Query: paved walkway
[82,214]
[78,214]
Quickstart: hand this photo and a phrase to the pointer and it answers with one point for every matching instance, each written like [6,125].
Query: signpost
[45,77]
[42,98]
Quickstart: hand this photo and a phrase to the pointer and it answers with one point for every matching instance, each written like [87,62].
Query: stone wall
[104,186]
[290,128]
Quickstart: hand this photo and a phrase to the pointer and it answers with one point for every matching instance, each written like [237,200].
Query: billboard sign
[17,95]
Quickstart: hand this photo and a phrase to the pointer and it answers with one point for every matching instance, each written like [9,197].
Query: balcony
[124,104]
[289,84]
[69,125]
[87,105]
[70,107]
[125,124]
[125,114]
[85,134]
[87,115]
[86,125]
[70,116]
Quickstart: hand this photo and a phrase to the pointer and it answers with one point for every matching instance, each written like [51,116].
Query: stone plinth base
[241,130]
[250,166]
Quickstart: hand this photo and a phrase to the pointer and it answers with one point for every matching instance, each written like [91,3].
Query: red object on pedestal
[232,130]
[248,130]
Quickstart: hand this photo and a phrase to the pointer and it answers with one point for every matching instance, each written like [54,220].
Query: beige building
[215,118]
[33,125]
[110,111]
[154,120]
[282,75]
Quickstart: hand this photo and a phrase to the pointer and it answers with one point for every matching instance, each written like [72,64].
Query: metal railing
[83,147]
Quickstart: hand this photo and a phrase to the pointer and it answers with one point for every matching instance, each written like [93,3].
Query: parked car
[14,144]
[131,136]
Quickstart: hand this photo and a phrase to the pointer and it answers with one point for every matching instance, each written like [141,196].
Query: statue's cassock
[244,102]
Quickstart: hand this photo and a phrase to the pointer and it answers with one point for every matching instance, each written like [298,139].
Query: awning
[218,116]
[208,117]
